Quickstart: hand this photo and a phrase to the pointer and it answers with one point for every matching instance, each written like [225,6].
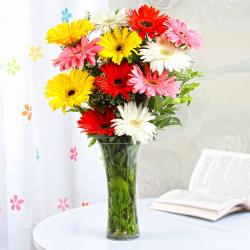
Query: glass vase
[120,161]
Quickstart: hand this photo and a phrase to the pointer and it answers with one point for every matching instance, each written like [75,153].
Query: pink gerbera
[151,83]
[179,34]
[75,56]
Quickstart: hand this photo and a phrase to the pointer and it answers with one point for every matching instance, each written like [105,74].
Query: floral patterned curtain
[46,166]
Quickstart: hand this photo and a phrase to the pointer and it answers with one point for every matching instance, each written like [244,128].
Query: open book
[220,184]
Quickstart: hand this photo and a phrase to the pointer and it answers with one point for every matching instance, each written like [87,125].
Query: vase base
[125,237]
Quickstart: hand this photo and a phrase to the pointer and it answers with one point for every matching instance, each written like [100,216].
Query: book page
[191,199]
[222,174]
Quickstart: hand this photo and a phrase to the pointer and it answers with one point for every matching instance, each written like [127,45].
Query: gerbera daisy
[179,34]
[147,21]
[67,90]
[134,122]
[119,44]
[106,20]
[151,83]
[95,122]
[115,80]
[75,56]
[164,55]
[68,33]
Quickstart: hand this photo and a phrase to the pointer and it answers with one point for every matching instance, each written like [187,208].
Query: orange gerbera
[147,21]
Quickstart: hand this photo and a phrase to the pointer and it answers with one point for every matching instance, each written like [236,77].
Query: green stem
[79,108]
[120,164]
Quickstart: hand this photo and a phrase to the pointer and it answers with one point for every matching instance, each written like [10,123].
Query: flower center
[104,126]
[135,123]
[146,24]
[110,20]
[118,81]
[165,52]
[119,48]
[153,83]
[71,92]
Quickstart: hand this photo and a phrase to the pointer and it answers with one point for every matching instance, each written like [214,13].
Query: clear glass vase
[120,163]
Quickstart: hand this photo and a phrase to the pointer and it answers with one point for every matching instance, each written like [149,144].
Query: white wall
[219,116]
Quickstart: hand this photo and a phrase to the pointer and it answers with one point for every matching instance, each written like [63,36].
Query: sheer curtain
[45,165]
[3,207]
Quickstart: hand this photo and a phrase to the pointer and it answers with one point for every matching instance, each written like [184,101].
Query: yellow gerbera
[67,33]
[67,90]
[119,43]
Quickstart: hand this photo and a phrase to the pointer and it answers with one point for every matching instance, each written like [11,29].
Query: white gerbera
[106,20]
[164,55]
[134,122]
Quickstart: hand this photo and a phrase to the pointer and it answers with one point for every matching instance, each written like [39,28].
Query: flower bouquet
[129,71]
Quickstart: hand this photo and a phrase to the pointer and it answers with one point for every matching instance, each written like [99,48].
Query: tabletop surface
[84,228]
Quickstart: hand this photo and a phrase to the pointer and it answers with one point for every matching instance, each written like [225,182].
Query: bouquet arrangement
[128,71]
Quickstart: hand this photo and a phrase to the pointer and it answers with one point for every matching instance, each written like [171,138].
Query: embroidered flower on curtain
[66,15]
[27,111]
[35,53]
[73,154]
[37,154]
[16,203]
[12,67]
[63,204]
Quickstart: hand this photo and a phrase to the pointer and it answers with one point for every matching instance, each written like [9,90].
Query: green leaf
[92,142]
[124,223]
[168,100]
[166,120]
[174,121]
[197,74]
[186,75]
[115,218]
[188,87]
[183,99]
[72,110]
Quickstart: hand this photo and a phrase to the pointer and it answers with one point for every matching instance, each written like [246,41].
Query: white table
[85,229]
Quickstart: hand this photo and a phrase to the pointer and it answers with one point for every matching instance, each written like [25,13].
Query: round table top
[84,228]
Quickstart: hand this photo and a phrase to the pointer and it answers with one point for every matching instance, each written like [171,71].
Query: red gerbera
[115,80]
[95,122]
[147,21]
